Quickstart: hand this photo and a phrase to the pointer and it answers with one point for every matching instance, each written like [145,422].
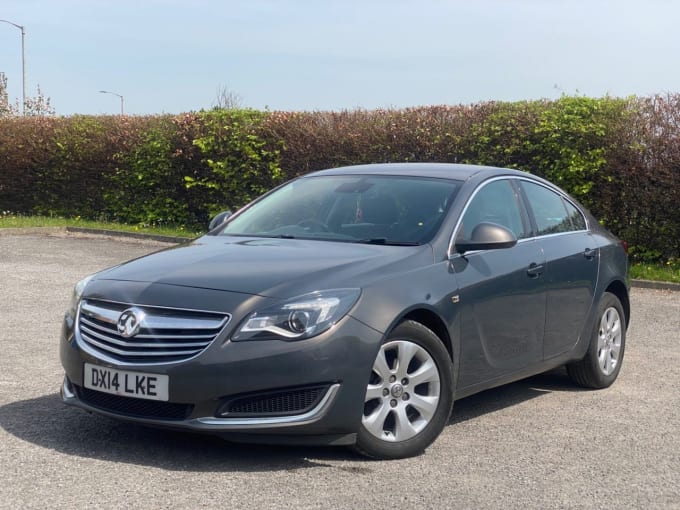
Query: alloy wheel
[403,392]
[609,341]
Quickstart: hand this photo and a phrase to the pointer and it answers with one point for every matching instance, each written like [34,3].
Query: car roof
[454,171]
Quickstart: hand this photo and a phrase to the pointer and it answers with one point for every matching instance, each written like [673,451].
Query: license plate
[125,383]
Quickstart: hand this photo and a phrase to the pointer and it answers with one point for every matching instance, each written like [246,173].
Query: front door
[501,292]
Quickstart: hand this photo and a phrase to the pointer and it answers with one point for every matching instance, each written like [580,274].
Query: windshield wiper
[387,242]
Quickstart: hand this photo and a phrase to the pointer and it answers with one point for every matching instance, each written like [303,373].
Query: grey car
[352,306]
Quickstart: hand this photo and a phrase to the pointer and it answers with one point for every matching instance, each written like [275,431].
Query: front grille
[164,334]
[277,403]
[134,407]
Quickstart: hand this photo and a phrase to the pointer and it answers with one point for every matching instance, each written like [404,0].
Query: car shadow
[46,422]
[508,395]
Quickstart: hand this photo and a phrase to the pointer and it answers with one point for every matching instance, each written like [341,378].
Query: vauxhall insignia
[129,322]
[320,274]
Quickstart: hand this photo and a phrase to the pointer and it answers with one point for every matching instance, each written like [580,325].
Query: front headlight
[77,294]
[298,318]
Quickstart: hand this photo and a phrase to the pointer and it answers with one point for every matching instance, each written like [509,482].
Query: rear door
[572,261]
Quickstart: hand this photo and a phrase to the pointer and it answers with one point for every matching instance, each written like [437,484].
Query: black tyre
[409,395]
[601,364]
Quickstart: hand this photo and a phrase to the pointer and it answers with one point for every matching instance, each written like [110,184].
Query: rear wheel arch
[600,365]
[619,289]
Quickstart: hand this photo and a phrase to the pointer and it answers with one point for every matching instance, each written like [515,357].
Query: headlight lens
[298,318]
[77,294]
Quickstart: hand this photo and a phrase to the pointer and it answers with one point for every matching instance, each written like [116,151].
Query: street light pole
[115,94]
[23,62]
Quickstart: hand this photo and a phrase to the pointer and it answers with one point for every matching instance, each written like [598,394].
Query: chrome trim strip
[101,314]
[108,348]
[456,255]
[561,193]
[221,424]
[155,321]
[127,305]
[102,330]
[451,253]
[114,362]
[310,416]
[557,234]
[132,345]
[66,392]
[87,343]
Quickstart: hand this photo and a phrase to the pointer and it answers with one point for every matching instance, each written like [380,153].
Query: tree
[36,106]
[226,99]
[5,108]
[39,105]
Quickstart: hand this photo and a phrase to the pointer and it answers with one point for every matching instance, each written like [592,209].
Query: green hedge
[620,157]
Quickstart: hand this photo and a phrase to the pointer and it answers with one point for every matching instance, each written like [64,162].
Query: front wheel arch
[433,322]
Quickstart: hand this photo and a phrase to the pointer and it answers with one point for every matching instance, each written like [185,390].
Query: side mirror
[218,220]
[487,236]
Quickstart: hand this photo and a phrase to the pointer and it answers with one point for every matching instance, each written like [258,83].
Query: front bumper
[339,361]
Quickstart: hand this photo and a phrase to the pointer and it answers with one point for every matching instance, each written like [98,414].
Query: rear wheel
[409,394]
[600,366]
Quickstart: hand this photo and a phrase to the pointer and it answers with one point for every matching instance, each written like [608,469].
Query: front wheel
[409,394]
[600,366]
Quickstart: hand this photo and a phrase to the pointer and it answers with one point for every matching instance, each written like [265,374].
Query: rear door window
[553,215]
[576,217]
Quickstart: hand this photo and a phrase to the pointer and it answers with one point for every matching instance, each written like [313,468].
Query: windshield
[368,208]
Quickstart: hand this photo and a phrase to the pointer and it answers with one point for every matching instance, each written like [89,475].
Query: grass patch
[668,272]
[18,221]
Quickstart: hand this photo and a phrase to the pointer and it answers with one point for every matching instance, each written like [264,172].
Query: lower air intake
[275,403]
[134,407]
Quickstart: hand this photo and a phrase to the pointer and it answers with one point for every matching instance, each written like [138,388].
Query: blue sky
[172,56]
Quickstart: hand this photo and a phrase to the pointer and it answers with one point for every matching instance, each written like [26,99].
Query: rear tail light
[624,244]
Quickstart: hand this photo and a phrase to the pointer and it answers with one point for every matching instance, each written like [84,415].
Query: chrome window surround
[451,253]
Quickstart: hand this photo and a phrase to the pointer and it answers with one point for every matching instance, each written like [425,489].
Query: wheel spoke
[613,319]
[616,349]
[373,391]
[407,351]
[375,422]
[604,324]
[380,366]
[427,372]
[425,405]
[602,358]
[403,428]
[607,362]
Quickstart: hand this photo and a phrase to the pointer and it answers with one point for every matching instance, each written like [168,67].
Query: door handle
[589,253]
[535,270]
